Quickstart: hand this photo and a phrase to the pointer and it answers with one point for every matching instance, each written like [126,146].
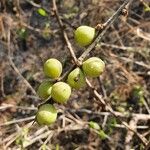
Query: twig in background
[148,146]
[2,84]
[17,121]
[135,62]
[105,121]
[64,33]
[129,135]
[14,66]
[118,114]
[6,106]
[146,106]
[103,91]
[33,3]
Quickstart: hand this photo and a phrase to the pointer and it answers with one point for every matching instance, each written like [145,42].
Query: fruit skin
[93,67]
[44,90]
[84,35]
[76,78]
[46,114]
[53,68]
[61,92]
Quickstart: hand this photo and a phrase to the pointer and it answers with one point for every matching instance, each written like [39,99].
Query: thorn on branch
[124,12]
[99,27]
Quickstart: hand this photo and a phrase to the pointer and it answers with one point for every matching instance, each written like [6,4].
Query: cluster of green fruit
[61,91]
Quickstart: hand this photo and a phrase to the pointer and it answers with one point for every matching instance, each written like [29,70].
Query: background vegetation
[30,34]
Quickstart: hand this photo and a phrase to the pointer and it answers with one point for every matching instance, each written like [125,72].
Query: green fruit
[76,78]
[84,35]
[42,12]
[46,114]
[44,90]
[53,68]
[61,92]
[93,67]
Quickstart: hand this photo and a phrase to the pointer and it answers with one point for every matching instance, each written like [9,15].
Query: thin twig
[14,66]
[33,3]
[64,33]
[124,48]
[6,106]
[17,121]
[137,127]
[2,85]
[118,114]
[139,63]
[146,106]
[130,134]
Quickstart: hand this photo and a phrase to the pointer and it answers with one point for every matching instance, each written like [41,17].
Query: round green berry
[60,92]
[53,68]
[76,78]
[44,90]
[84,35]
[46,114]
[93,67]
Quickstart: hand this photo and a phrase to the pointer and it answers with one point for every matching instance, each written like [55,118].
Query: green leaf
[120,109]
[22,137]
[22,33]
[111,124]
[141,101]
[146,7]
[47,32]
[102,135]
[57,147]
[43,147]
[42,12]
[139,93]
[94,125]
[69,16]
[18,140]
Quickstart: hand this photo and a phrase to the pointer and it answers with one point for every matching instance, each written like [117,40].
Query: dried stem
[64,33]
[118,114]
[12,63]
[129,136]
[17,121]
